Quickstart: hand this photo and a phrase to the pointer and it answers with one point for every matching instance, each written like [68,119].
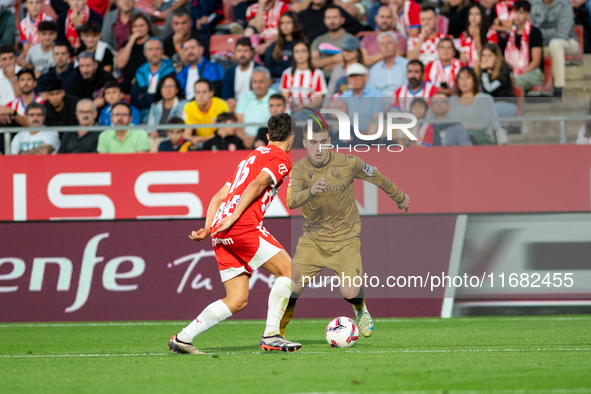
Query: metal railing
[561,119]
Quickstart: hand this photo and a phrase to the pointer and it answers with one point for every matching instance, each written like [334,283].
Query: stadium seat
[577,59]
[362,34]
[442,24]
[518,90]
[223,42]
[547,88]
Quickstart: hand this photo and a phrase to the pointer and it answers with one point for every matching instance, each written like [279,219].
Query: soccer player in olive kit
[322,184]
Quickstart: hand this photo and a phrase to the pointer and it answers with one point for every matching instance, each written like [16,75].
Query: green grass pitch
[497,354]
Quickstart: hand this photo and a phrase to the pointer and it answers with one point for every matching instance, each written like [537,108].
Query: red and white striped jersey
[428,47]
[271,17]
[28,28]
[18,106]
[271,159]
[303,85]
[409,17]
[468,46]
[504,10]
[437,73]
[403,96]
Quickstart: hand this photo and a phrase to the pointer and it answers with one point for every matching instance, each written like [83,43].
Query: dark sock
[359,300]
[288,313]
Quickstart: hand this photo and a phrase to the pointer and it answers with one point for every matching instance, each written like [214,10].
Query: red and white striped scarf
[71,32]
[29,28]
[503,13]
[518,58]
[440,74]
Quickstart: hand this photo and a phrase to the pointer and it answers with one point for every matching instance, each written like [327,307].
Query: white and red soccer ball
[342,332]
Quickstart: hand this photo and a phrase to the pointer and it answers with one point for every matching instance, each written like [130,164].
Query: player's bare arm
[214,205]
[252,192]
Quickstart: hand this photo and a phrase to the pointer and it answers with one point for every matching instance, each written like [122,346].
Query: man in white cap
[362,98]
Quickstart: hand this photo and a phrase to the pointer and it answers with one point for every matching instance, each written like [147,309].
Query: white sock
[278,299]
[215,313]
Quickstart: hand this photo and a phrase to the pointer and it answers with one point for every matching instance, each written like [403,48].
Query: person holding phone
[442,72]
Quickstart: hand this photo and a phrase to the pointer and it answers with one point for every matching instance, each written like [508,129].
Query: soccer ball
[342,332]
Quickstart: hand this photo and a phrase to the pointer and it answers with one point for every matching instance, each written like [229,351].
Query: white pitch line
[303,321]
[304,352]
[506,391]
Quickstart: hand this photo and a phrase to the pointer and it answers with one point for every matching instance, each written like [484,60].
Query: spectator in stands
[82,141]
[471,103]
[582,5]
[442,72]
[424,46]
[122,141]
[60,107]
[277,105]
[253,106]
[523,50]
[8,82]
[70,22]
[89,80]
[113,95]
[358,94]
[237,78]
[181,31]
[447,134]
[338,77]
[7,26]
[40,56]
[326,48]
[225,137]
[477,34]
[162,10]
[147,76]
[279,54]
[63,70]
[26,83]
[416,87]
[29,27]
[555,20]
[35,142]
[502,16]
[385,22]
[584,134]
[263,19]
[199,67]
[423,131]
[116,27]
[203,110]
[495,77]
[168,103]
[312,20]
[456,11]
[207,14]
[489,10]
[90,34]
[409,20]
[131,54]
[302,83]
[175,141]
[389,73]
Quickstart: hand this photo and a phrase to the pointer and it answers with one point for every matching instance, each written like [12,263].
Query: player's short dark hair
[522,5]
[280,127]
[7,48]
[47,26]
[226,116]
[207,82]
[35,105]
[277,96]
[418,63]
[316,128]
[420,101]
[91,26]
[244,42]
[112,84]
[123,103]
[427,8]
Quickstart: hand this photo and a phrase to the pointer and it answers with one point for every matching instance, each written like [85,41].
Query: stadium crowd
[114,64]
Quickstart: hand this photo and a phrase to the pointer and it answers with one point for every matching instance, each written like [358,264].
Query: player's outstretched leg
[280,266]
[364,320]
[213,314]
